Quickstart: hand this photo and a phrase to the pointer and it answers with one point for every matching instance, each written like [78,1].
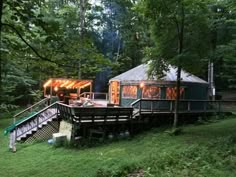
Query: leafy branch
[33,49]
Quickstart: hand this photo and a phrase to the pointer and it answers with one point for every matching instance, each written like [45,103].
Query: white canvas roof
[139,73]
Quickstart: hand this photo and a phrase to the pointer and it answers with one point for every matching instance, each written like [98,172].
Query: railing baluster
[189,105]
[171,105]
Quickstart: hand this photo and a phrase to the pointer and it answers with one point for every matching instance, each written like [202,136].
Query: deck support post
[14,143]
[50,101]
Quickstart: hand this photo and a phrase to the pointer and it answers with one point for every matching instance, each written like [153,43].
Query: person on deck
[61,95]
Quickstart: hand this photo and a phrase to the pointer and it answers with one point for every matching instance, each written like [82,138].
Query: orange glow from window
[171,93]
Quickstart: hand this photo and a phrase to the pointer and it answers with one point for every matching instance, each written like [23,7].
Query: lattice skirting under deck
[44,133]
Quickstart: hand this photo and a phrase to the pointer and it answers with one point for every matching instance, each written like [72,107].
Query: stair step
[43,121]
[45,132]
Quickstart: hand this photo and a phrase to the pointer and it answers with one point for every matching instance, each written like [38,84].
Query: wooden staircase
[35,127]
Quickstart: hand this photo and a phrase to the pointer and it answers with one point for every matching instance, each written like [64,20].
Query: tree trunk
[118,48]
[82,19]
[178,82]
[1,8]
[176,116]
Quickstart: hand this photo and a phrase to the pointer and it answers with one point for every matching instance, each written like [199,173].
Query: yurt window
[115,92]
[171,93]
[129,92]
[151,92]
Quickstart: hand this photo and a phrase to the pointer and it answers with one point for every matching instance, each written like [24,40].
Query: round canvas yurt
[135,84]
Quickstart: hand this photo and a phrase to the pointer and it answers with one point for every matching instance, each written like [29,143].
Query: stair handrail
[29,108]
[133,105]
[135,102]
[15,125]
[39,112]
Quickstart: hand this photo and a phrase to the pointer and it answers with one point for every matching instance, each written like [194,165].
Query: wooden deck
[140,115]
[139,108]
[117,119]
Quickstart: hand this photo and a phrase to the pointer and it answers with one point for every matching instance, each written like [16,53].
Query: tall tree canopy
[223,31]
[42,39]
[74,38]
[180,30]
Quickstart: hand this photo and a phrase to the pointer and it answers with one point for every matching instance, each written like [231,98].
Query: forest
[99,39]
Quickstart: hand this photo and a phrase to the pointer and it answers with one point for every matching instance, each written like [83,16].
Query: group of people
[83,102]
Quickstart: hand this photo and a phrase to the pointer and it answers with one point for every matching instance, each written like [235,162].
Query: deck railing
[162,105]
[30,109]
[94,114]
[65,111]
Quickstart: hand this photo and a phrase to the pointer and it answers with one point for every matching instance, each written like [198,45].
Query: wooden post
[189,105]
[90,88]
[50,101]
[14,144]
[78,91]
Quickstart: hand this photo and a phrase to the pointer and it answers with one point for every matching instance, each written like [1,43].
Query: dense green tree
[42,39]
[69,38]
[180,31]
[14,79]
[223,30]
[1,9]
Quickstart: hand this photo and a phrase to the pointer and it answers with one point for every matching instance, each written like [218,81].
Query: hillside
[202,150]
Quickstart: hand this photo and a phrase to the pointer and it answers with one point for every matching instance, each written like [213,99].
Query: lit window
[129,92]
[151,92]
[171,93]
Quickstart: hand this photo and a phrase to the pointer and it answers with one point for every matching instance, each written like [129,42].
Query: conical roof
[139,73]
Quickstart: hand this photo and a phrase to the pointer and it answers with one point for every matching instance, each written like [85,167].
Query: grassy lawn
[202,150]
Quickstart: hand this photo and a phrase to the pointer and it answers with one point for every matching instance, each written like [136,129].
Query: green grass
[202,150]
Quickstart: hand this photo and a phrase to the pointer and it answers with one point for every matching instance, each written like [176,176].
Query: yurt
[135,84]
